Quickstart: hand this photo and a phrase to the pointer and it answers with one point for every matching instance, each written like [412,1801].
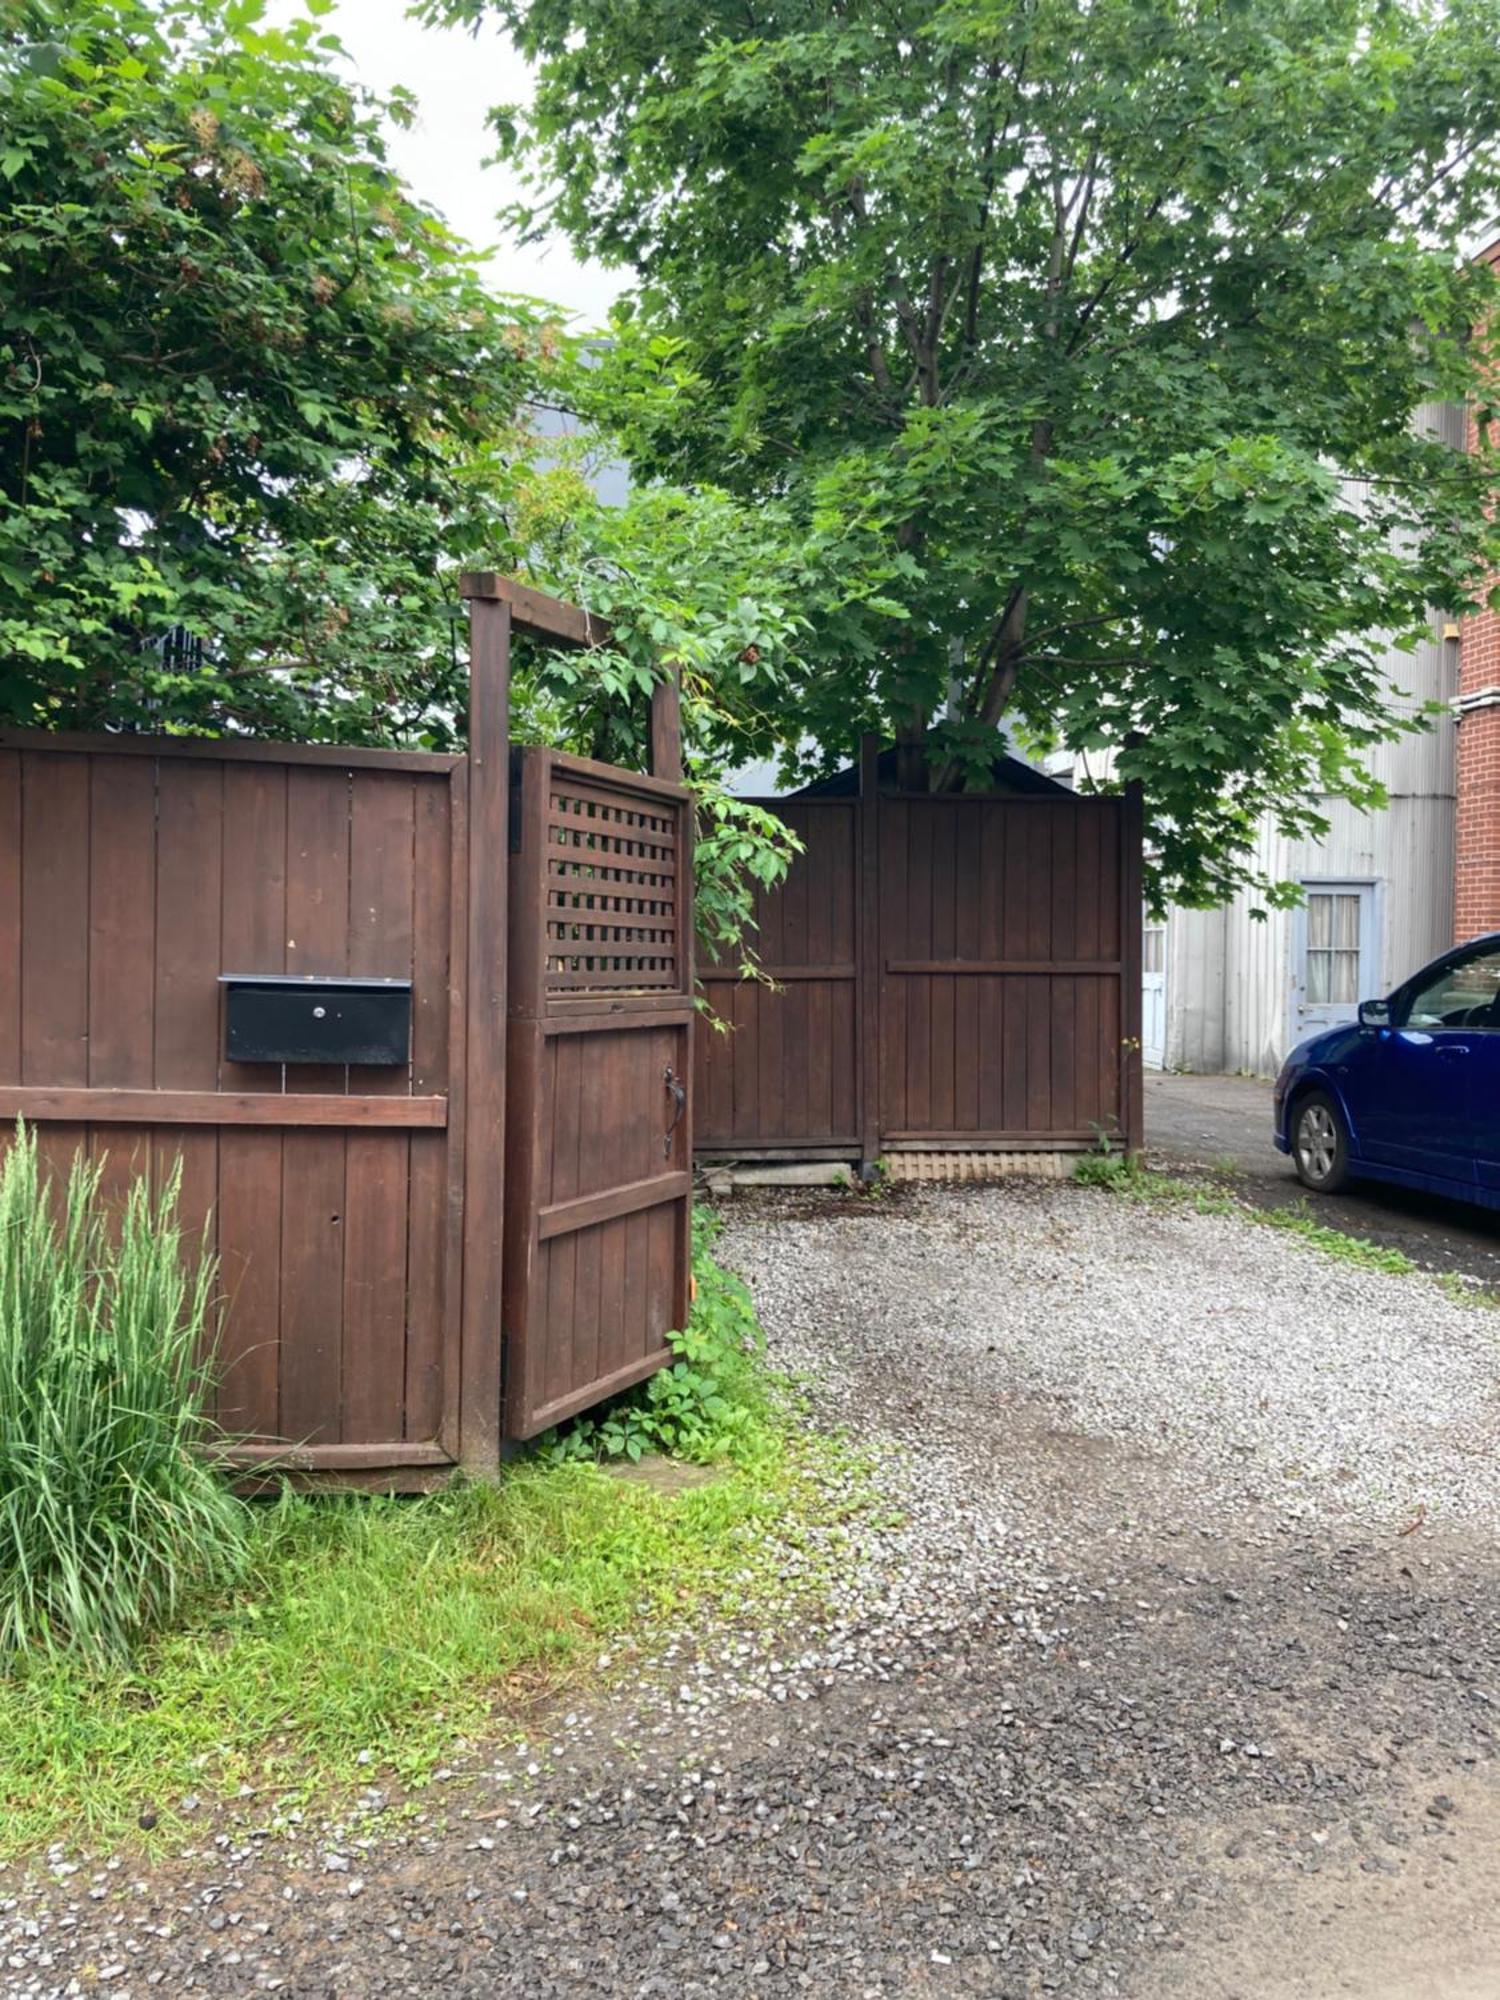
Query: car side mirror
[1374,1013]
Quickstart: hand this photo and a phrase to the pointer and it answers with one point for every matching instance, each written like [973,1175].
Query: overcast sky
[456,79]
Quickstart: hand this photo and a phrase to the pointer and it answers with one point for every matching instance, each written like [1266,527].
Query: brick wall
[1476,879]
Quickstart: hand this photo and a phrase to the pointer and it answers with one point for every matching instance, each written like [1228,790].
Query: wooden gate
[599,1120]
[949,973]
[1009,999]
[778,1066]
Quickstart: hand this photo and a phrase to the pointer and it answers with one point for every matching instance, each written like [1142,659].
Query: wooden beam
[337,1457]
[867,945]
[780,975]
[597,1392]
[563,1217]
[1067,968]
[534,612]
[228,750]
[616,780]
[479,1359]
[43,1104]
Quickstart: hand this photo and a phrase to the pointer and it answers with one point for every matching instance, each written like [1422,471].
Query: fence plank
[317,894]
[312,1285]
[122,921]
[54,920]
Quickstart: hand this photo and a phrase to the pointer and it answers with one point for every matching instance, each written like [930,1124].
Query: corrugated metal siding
[1229,971]
[1229,983]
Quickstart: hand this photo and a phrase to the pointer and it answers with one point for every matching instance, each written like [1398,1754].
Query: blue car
[1410,1093]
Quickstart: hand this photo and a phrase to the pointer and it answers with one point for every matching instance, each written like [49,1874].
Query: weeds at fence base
[374,1636]
[370,1636]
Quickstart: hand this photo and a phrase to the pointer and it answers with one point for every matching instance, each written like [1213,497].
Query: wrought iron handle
[679,1106]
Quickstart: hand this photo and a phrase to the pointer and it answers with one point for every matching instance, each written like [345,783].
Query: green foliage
[715,1401]
[396,1628]
[111,1511]
[1038,328]
[699,585]
[243,375]
[1357,1250]
[1105,1168]
[257,408]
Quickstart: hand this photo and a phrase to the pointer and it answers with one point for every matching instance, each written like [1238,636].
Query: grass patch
[1468,1291]
[393,1627]
[1127,1175]
[1357,1250]
[399,1629]
[1206,1197]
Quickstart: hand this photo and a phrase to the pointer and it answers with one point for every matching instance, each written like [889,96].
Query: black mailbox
[281,1017]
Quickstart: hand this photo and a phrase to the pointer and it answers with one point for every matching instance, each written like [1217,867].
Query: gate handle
[679,1105]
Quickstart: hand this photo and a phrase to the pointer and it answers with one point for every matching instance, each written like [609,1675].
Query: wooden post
[1132,1093]
[666,727]
[526,1356]
[867,973]
[484,1065]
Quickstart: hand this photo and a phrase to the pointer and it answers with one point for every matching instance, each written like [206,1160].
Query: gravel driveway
[1176,1674]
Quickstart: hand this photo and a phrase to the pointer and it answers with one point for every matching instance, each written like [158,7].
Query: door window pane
[1463,995]
[1332,948]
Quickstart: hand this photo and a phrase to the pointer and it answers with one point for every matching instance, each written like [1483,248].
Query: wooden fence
[359,1213]
[949,973]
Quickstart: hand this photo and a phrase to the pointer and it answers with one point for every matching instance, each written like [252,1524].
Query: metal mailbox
[281,1017]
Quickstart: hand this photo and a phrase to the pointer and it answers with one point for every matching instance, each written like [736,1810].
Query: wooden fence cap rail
[535,612]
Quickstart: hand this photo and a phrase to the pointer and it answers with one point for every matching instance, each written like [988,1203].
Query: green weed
[1358,1250]
[112,1514]
[715,1400]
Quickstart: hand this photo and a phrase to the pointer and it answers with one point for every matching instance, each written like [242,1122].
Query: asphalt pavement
[1223,1124]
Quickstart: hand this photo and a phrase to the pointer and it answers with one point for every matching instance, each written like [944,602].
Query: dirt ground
[1171,1672]
[1212,1121]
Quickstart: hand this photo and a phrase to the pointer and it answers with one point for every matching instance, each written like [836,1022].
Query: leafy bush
[1105,1167]
[111,1511]
[710,1403]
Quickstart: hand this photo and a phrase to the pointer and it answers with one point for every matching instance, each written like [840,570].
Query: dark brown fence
[950,973]
[358,1212]
[141,870]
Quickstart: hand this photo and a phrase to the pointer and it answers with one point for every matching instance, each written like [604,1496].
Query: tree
[1052,325]
[694,584]
[256,405]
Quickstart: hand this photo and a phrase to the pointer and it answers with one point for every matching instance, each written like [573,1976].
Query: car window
[1465,994]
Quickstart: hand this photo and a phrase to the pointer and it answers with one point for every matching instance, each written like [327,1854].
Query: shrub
[713,1399]
[111,1510]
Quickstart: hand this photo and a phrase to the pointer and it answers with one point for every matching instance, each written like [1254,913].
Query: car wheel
[1320,1143]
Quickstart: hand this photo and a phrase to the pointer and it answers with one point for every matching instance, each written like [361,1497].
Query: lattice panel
[612,859]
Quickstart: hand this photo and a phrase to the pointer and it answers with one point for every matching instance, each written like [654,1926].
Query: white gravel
[1049,1681]
[1251,1363]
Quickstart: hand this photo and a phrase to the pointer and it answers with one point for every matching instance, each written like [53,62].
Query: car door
[1421,1106]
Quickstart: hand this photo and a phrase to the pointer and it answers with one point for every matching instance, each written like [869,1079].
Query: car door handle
[1453,1048]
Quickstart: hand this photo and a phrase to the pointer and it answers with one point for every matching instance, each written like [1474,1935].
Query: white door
[1153,991]
[1335,955]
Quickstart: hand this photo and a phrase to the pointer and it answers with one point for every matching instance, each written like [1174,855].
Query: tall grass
[111,1511]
